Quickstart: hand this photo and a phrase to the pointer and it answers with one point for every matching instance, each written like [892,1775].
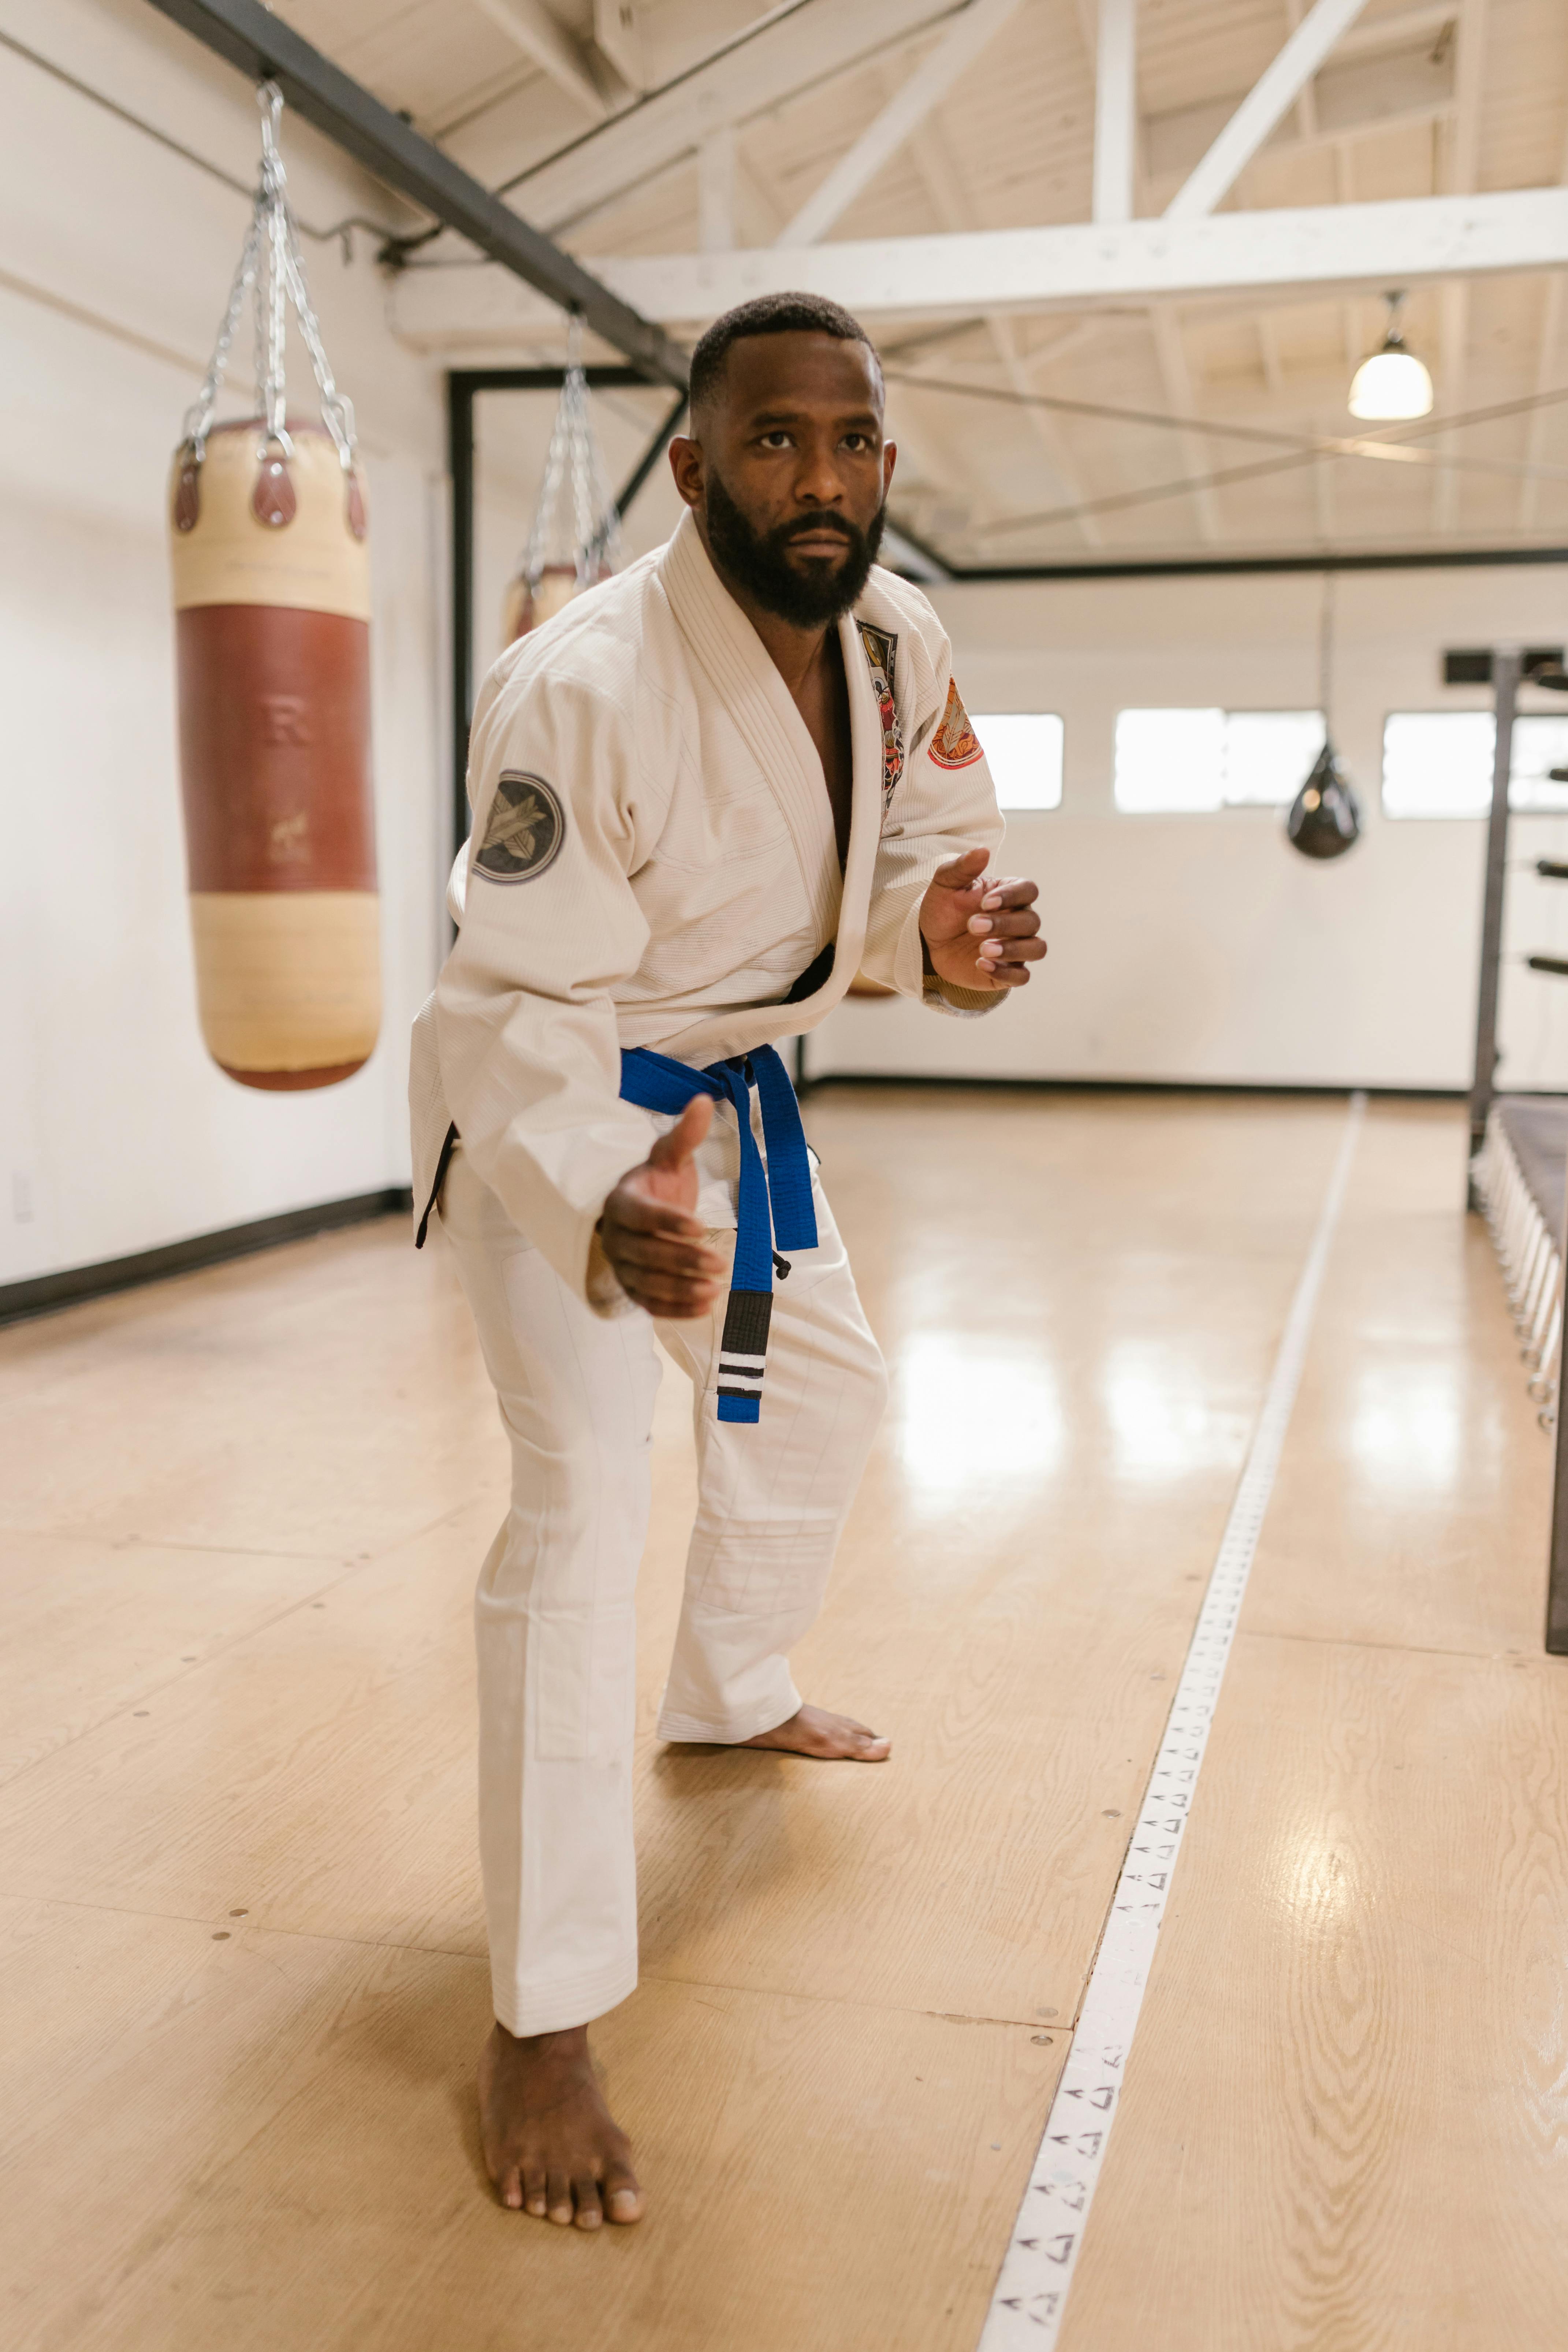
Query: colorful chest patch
[881,648]
[955,743]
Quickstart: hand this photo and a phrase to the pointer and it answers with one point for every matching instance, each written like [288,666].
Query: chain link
[272,273]
[574,466]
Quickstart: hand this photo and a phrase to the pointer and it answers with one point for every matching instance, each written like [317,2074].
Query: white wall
[118,1133]
[1202,948]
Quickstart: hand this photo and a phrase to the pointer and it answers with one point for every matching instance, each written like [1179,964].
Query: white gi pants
[554,1612]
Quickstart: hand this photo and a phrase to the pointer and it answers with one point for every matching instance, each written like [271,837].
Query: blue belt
[774,1203]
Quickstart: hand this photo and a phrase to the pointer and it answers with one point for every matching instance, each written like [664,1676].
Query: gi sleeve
[525,1023]
[943,803]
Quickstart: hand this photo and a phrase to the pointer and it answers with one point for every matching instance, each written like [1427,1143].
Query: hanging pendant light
[1324,820]
[574,539]
[1392,385]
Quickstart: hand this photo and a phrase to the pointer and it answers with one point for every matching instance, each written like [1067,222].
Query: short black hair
[770,314]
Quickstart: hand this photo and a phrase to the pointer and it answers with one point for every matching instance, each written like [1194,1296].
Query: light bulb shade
[1325,816]
[1393,383]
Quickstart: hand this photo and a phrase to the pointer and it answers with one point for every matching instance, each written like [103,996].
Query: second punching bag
[272,615]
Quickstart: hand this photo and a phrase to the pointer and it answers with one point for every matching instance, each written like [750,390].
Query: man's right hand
[648,1234]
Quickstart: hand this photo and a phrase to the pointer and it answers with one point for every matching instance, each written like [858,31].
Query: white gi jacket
[653,863]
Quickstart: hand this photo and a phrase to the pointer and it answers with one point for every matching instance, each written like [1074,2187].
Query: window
[1439,763]
[1023,752]
[1184,762]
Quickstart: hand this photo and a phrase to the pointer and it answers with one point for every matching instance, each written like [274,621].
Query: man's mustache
[815,527]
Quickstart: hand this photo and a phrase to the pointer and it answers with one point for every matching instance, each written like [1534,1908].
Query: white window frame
[1223,805]
[1546,800]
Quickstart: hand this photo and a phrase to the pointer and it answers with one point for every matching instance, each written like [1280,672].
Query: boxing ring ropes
[1518,1146]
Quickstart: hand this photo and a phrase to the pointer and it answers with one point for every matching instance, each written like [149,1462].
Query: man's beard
[758,560]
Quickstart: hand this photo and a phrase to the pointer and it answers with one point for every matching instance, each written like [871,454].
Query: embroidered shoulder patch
[955,743]
[881,650]
[524,830]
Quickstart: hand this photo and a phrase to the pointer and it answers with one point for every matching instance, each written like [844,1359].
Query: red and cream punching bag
[272,615]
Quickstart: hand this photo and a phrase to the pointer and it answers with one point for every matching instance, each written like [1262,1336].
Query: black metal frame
[1198,567]
[1508,670]
[249,36]
[1512,668]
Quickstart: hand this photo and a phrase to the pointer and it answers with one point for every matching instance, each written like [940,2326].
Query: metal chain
[337,408]
[572,464]
[272,273]
[199,416]
[556,459]
[273,394]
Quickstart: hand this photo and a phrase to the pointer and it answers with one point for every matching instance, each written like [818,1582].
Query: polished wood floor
[240,1941]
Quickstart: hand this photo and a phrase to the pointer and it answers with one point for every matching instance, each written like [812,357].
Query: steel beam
[263,47]
[1508,664]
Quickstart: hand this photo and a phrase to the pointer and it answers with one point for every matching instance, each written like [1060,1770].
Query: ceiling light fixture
[1392,385]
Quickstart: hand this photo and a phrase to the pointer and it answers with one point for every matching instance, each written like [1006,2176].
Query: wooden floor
[240,1938]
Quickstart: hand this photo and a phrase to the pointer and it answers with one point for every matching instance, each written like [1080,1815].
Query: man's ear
[890,459]
[686,465]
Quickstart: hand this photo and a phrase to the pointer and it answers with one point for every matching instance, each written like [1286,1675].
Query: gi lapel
[742,672]
[875,739]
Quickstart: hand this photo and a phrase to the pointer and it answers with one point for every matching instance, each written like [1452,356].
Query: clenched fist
[979,932]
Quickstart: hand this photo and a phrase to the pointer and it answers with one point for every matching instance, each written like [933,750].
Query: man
[704,796]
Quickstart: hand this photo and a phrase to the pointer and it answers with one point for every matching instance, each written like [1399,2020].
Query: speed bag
[1324,818]
[273,618]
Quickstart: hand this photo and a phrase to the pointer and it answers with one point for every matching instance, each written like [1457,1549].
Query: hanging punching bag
[529,604]
[271,571]
[272,598]
[1325,816]
[574,538]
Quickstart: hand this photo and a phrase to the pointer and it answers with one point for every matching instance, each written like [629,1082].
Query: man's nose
[819,483]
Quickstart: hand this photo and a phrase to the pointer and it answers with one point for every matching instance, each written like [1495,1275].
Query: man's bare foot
[812,1731]
[551,2144]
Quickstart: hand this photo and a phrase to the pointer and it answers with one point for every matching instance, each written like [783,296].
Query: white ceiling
[611,124]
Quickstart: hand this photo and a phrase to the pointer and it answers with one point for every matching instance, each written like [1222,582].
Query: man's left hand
[980,931]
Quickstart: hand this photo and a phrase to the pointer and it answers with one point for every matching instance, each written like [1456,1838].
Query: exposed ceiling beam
[901,553]
[1116,110]
[716,189]
[1097,267]
[1271,97]
[249,36]
[942,184]
[1176,377]
[908,108]
[619,35]
[1464,170]
[1399,32]
[793,48]
[1347,101]
[529,24]
[1306,97]
[1547,362]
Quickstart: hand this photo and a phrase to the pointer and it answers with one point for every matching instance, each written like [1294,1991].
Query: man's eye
[857,442]
[777,440]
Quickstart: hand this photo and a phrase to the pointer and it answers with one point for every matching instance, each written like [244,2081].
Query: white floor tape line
[1030,2298]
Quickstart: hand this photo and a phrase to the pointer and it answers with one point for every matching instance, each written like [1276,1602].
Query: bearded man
[705,796]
